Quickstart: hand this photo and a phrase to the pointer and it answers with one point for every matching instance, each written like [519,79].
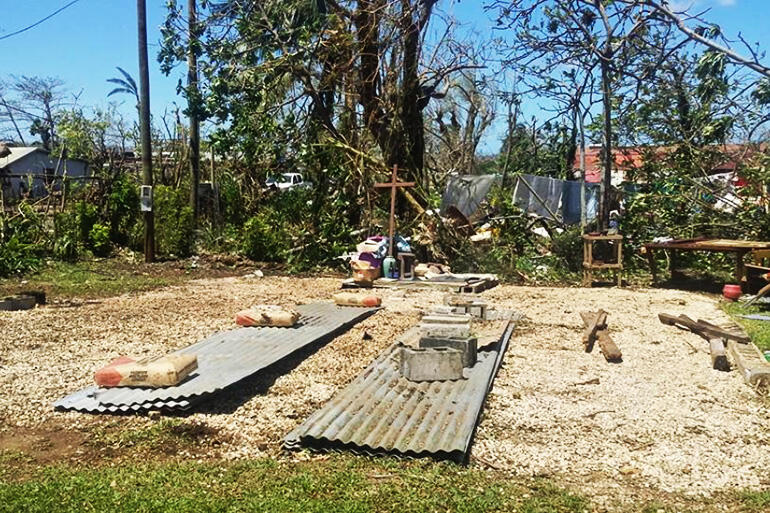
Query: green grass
[756,501]
[759,331]
[97,278]
[339,484]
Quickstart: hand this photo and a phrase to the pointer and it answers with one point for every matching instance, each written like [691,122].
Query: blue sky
[83,44]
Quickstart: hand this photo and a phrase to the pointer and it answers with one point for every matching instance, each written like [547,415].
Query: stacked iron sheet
[224,359]
[383,412]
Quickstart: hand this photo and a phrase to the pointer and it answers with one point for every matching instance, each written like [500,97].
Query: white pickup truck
[287,181]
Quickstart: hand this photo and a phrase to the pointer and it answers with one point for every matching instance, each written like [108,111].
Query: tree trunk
[606,183]
[193,107]
[144,125]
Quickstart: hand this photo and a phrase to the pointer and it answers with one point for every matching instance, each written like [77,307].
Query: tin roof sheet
[224,358]
[383,412]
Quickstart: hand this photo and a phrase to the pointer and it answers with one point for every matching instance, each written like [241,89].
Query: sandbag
[267,316]
[350,299]
[163,371]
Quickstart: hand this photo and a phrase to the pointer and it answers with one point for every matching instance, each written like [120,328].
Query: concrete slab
[431,364]
[467,346]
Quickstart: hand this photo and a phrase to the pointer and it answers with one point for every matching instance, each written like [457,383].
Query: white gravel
[662,420]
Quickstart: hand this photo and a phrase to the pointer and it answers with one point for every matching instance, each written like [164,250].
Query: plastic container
[732,292]
[389,267]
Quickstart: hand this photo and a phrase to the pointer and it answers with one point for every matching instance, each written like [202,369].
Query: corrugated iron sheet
[224,359]
[383,412]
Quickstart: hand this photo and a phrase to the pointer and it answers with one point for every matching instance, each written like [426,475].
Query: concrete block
[466,304]
[431,364]
[467,346]
[447,319]
[445,330]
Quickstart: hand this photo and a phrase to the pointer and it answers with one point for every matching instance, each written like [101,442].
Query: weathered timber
[596,330]
[703,328]
[718,355]
[594,322]
[608,347]
[750,362]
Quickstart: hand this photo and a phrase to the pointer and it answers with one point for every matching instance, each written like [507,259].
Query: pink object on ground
[732,292]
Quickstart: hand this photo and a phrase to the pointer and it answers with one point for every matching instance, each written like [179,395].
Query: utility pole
[193,104]
[144,126]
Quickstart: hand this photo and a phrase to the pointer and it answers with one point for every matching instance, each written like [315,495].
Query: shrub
[174,223]
[123,210]
[66,240]
[99,239]
[22,242]
[265,238]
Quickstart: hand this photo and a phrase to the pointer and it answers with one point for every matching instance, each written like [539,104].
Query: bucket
[731,292]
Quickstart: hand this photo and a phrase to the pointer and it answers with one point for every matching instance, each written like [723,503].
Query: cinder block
[445,330]
[467,346]
[468,305]
[431,364]
[447,319]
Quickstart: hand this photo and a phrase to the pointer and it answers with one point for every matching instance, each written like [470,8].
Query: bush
[99,239]
[174,223]
[66,240]
[265,238]
[22,242]
[123,211]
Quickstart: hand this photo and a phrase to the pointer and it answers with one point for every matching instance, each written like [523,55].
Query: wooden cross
[393,185]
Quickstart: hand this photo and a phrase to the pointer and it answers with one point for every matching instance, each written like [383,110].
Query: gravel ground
[660,422]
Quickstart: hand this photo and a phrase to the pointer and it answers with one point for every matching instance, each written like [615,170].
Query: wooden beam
[608,347]
[718,355]
[594,322]
[596,330]
[703,328]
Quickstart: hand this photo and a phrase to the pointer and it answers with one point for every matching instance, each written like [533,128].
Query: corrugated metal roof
[383,412]
[223,359]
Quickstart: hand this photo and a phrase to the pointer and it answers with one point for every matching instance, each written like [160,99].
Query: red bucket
[732,292]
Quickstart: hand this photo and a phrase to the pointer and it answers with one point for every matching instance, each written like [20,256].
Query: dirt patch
[661,422]
[43,445]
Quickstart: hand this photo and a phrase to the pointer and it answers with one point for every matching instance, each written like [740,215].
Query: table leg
[651,262]
[740,269]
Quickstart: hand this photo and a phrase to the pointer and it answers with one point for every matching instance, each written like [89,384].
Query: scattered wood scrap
[703,328]
[596,331]
[718,355]
[716,336]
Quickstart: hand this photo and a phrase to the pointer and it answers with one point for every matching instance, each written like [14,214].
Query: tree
[600,47]
[37,99]
[126,85]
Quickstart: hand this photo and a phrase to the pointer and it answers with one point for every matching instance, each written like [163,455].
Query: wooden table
[739,247]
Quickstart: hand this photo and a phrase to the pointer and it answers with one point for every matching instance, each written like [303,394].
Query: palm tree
[126,85]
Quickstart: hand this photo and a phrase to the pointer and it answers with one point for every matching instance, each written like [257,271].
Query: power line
[38,22]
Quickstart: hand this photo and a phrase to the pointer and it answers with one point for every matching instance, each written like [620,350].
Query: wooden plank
[718,355]
[750,362]
[608,347]
[594,321]
[703,328]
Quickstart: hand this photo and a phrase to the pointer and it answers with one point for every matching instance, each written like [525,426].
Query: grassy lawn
[340,483]
[103,278]
[759,331]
